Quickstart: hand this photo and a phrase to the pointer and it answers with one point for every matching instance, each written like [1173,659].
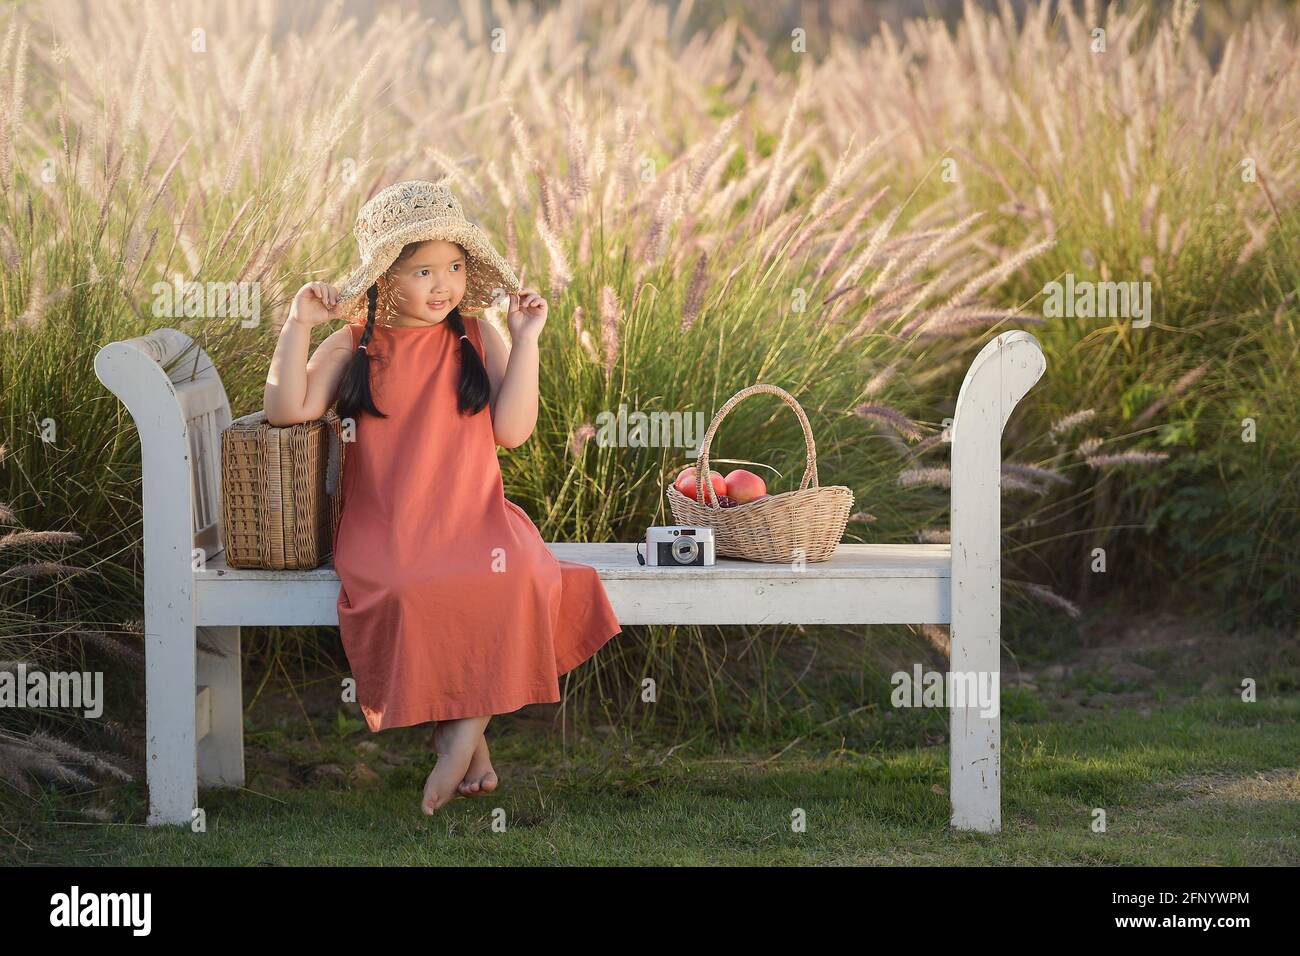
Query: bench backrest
[174,392]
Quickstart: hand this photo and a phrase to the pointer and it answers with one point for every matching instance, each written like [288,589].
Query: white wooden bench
[194,702]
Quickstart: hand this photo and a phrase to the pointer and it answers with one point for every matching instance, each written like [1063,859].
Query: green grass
[1179,786]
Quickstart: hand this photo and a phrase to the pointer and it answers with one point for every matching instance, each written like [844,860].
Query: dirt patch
[1123,660]
[1282,783]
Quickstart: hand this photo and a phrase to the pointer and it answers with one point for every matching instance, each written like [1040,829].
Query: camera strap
[640,558]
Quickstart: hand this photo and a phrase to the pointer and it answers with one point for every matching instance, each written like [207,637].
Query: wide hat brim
[488,276]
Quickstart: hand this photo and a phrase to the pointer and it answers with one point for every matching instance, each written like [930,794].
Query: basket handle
[703,487]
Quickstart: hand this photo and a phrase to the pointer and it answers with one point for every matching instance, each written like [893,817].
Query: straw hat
[414,211]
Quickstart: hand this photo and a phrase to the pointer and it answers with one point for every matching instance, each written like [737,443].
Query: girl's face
[428,283]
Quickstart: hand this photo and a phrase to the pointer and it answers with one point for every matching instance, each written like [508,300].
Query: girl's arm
[512,371]
[298,390]
[514,388]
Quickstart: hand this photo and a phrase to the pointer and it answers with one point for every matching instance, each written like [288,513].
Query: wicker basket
[281,492]
[779,528]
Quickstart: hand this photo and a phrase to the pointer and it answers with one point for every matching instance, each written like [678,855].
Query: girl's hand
[527,314]
[313,303]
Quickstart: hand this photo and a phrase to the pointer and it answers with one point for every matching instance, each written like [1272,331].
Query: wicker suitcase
[281,492]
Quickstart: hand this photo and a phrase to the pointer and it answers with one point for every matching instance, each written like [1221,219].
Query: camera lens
[684,550]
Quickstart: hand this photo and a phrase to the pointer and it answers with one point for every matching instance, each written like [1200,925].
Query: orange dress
[450,603]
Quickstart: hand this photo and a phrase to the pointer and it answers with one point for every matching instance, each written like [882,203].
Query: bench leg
[170,723]
[975,731]
[221,750]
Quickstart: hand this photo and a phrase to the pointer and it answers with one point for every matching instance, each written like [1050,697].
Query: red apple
[745,486]
[685,483]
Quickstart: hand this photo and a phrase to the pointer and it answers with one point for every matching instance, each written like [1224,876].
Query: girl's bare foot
[455,742]
[480,778]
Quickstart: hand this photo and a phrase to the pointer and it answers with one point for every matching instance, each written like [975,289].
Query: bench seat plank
[860,584]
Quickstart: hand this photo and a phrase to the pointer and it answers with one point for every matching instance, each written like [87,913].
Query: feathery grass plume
[937,636]
[993,277]
[237,157]
[854,269]
[584,244]
[11,118]
[1049,597]
[9,249]
[846,237]
[112,646]
[656,237]
[37,538]
[584,338]
[1180,236]
[1035,473]
[767,202]
[154,152]
[937,477]
[34,313]
[934,536]
[844,169]
[41,569]
[70,752]
[560,272]
[576,143]
[1186,381]
[1126,458]
[845,298]
[1258,237]
[789,224]
[254,75]
[862,516]
[709,155]
[1088,446]
[11,773]
[29,760]
[942,241]
[877,383]
[1149,207]
[960,321]
[695,291]
[552,209]
[928,443]
[891,417]
[609,332]
[1069,422]
[814,226]
[1013,482]
[941,371]
[625,128]
[581,435]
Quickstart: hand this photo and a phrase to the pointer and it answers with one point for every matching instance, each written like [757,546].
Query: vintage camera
[676,545]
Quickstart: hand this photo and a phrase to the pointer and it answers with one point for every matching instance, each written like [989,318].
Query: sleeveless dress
[450,603]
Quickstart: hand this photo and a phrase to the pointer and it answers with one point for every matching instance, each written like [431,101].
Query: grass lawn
[1186,772]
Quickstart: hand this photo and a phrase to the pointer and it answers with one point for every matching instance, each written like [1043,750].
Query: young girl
[451,606]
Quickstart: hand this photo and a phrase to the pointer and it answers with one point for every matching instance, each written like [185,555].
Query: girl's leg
[480,778]
[455,742]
